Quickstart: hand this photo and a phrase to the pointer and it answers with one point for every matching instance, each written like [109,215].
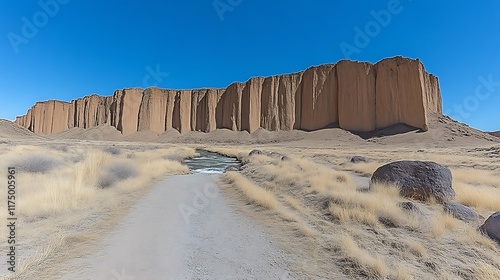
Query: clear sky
[66,49]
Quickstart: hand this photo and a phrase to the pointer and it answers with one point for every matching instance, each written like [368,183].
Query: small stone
[461,212]
[357,159]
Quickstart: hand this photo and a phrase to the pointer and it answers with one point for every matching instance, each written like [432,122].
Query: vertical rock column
[229,107]
[251,104]
[399,94]
[181,119]
[128,102]
[153,110]
[319,102]
[269,117]
[356,86]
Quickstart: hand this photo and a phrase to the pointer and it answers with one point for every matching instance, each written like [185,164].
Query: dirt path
[184,229]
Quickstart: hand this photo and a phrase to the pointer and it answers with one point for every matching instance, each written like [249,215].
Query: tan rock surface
[319,102]
[153,110]
[356,104]
[356,96]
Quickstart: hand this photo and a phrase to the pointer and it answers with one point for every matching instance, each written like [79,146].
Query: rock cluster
[355,96]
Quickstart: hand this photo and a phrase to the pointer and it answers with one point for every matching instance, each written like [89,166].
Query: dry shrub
[35,163]
[113,150]
[116,172]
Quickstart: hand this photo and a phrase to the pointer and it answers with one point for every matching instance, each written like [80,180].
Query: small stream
[210,163]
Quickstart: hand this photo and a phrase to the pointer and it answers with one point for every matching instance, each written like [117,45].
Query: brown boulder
[491,227]
[417,179]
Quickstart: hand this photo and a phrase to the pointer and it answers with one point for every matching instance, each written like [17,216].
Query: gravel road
[184,228]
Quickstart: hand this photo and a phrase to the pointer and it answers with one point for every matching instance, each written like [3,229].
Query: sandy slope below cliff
[10,130]
[156,240]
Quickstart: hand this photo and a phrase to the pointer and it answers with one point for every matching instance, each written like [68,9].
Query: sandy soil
[183,229]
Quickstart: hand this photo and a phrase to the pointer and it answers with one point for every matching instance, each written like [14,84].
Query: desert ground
[93,204]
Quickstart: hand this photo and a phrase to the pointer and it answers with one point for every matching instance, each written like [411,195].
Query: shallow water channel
[211,163]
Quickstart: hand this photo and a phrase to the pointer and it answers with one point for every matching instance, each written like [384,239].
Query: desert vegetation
[354,231]
[80,187]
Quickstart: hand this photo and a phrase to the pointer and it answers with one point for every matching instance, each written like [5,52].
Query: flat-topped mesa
[355,96]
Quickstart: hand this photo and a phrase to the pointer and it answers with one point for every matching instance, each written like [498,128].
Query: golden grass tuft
[380,203]
[358,214]
[416,248]
[268,200]
[256,194]
[485,271]
[479,196]
[474,237]
[373,265]
[402,272]
[476,177]
[440,222]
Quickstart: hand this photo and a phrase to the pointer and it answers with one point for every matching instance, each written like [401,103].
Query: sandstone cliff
[355,96]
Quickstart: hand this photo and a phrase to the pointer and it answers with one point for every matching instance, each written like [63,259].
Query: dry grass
[416,248]
[374,236]
[485,271]
[70,194]
[268,200]
[229,152]
[481,197]
[76,184]
[373,266]
[256,194]
[364,168]
[476,177]
[440,222]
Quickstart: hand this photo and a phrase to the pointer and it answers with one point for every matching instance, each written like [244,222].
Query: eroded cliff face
[356,96]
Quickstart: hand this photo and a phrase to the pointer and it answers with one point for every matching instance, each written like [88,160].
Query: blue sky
[77,48]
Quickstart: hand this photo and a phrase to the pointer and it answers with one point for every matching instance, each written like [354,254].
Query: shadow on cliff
[388,131]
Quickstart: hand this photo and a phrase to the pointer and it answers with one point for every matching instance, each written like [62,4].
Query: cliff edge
[355,96]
